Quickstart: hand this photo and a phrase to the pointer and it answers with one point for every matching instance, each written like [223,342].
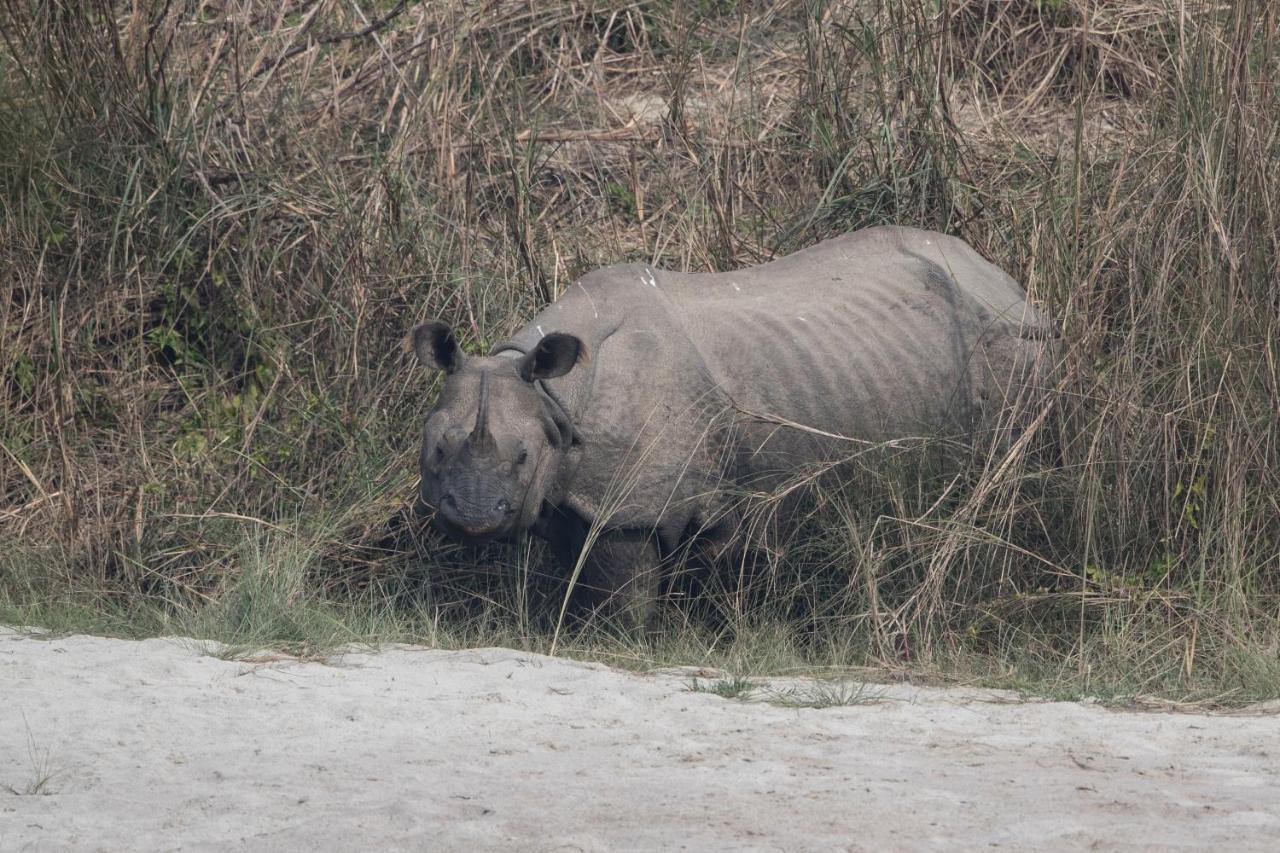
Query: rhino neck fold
[561,411]
[563,416]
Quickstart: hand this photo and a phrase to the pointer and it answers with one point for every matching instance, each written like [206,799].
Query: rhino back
[871,336]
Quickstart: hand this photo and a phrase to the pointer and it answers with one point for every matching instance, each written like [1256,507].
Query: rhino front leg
[620,580]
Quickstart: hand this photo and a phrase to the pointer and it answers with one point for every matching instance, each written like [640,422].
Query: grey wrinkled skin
[643,403]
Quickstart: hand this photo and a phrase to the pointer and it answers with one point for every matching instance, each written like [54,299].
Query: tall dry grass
[220,218]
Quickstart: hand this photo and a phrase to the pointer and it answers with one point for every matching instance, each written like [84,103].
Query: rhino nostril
[449,501]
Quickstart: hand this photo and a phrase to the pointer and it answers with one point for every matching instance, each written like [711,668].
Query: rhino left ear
[555,355]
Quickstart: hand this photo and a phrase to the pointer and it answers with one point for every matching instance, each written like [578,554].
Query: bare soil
[160,745]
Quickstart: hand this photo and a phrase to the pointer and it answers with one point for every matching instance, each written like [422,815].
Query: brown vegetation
[222,216]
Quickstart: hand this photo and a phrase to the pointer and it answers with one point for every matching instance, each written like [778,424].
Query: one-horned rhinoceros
[629,417]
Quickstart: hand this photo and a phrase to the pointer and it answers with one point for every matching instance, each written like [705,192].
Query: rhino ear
[555,355]
[436,347]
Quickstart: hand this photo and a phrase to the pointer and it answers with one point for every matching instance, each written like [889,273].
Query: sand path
[157,746]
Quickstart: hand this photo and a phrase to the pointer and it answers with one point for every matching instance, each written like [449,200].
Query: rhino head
[494,441]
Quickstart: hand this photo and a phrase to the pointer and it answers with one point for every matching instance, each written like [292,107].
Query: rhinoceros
[628,417]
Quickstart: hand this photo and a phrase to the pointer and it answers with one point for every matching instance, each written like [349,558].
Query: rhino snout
[474,515]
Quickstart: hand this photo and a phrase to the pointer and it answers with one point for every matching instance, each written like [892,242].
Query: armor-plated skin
[643,402]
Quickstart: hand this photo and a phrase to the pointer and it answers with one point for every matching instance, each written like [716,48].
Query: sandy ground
[158,745]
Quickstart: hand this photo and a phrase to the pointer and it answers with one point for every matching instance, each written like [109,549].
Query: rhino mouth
[475,520]
[473,534]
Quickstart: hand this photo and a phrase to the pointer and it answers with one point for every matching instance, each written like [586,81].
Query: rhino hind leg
[1008,371]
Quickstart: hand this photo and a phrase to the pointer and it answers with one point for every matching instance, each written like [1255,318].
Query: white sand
[154,745]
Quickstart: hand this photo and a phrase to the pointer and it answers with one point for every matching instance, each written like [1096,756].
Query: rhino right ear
[555,355]
[436,347]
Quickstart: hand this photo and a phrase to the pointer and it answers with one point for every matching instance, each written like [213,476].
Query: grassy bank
[221,218]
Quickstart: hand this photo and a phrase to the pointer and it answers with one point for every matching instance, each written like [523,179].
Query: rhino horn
[480,437]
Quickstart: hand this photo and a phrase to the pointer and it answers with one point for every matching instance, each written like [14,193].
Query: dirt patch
[110,744]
